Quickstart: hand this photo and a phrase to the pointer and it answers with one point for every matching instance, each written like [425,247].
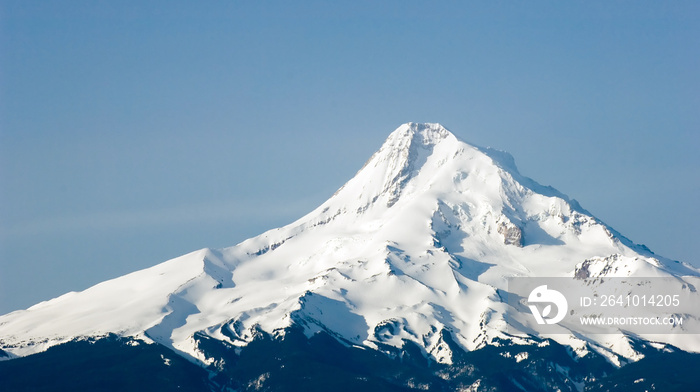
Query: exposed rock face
[581,272]
[512,235]
[615,265]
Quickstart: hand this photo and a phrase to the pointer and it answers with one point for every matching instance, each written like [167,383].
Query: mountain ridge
[417,244]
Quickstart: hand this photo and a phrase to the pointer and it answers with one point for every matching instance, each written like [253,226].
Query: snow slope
[421,240]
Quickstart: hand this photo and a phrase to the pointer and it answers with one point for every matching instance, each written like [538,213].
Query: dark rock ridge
[322,363]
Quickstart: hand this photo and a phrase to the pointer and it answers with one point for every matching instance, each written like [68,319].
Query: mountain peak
[420,133]
[416,247]
[403,156]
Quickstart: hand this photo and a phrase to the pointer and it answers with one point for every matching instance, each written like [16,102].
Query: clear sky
[132,132]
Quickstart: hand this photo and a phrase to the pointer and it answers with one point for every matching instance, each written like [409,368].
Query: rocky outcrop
[512,235]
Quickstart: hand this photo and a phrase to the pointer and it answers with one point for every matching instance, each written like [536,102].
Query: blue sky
[133,132]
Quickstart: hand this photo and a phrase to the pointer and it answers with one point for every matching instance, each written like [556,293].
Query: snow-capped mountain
[417,245]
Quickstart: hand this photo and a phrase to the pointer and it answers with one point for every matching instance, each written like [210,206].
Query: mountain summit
[414,249]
